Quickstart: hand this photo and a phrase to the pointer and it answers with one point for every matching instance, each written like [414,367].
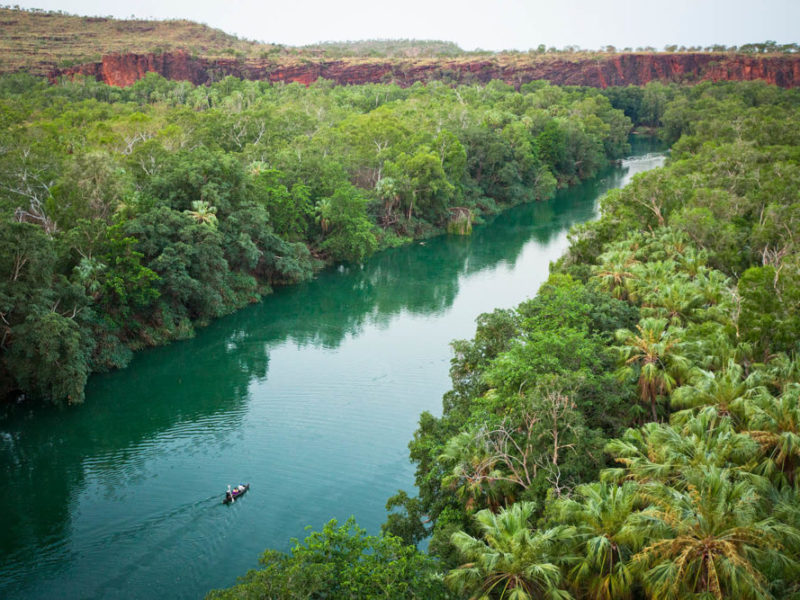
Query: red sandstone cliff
[620,69]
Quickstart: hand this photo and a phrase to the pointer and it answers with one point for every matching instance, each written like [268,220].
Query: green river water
[311,396]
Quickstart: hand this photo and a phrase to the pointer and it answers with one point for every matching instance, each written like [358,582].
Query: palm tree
[676,301]
[472,474]
[650,278]
[323,210]
[723,389]
[708,539]
[714,286]
[388,190]
[673,243]
[780,371]
[203,213]
[715,349]
[667,453]
[655,353]
[692,261]
[604,516]
[615,270]
[775,424]
[511,561]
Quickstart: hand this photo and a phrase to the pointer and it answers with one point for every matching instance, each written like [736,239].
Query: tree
[616,270]
[768,315]
[49,359]
[473,473]
[775,424]
[654,356]
[669,454]
[710,539]
[721,389]
[422,184]
[203,213]
[604,515]
[350,235]
[511,561]
[341,563]
[27,178]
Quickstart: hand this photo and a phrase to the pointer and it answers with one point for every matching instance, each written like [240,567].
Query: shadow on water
[200,388]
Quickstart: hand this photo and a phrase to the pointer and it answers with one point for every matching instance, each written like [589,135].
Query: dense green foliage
[129,216]
[340,563]
[633,431]
[645,404]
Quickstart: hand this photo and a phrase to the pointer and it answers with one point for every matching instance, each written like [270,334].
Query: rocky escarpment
[598,71]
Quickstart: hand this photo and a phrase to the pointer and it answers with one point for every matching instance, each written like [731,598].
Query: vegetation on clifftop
[39,41]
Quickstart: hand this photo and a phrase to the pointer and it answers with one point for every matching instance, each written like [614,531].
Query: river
[311,396]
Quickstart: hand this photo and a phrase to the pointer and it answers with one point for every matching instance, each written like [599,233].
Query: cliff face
[620,69]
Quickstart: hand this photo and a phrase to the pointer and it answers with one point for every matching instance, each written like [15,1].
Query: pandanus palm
[708,540]
[604,515]
[655,353]
[510,561]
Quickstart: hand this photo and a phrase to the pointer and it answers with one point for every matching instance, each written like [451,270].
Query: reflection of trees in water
[43,453]
[420,279]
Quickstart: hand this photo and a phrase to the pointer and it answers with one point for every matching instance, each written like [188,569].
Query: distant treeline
[60,32]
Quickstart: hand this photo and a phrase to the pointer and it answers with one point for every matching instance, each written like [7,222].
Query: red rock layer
[620,69]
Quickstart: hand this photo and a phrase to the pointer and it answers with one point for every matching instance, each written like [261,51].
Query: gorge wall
[598,71]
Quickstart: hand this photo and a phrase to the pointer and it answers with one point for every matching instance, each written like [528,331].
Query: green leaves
[697,267]
[511,561]
[349,233]
[52,363]
[340,563]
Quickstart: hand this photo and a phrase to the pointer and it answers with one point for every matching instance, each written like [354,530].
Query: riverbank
[163,206]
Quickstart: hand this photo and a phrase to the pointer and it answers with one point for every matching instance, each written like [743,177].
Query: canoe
[236,494]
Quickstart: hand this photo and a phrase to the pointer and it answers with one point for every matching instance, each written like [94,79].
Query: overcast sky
[487,24]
